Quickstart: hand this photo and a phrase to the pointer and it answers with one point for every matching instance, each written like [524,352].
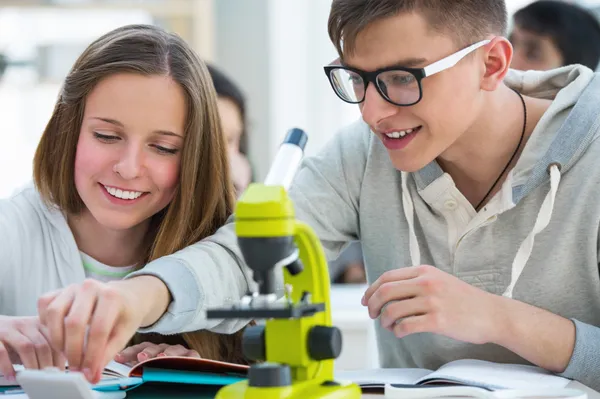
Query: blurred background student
[548,34]
[232,110]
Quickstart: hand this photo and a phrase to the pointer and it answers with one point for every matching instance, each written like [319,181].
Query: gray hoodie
[536,241]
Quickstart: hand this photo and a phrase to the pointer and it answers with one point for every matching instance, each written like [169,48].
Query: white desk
[359,350]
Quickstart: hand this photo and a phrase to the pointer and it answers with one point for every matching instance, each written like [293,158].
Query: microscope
[295,348]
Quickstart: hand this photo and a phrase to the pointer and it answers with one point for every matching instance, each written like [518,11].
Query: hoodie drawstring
[541,222]
[524,252]
[409,213]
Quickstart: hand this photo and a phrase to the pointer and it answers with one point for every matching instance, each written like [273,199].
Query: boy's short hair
[466,20]
[574,30]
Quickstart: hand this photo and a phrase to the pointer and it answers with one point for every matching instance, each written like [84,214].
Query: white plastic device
[53,383]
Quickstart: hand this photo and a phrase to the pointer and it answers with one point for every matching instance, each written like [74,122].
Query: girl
[132,166]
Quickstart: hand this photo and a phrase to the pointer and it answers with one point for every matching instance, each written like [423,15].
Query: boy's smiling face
[452,99]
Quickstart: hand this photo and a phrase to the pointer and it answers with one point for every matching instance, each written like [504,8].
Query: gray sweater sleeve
[584,365]
[326,191]
[211,273]
[207,274]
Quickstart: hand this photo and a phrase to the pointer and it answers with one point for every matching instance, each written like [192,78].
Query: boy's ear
[496,63]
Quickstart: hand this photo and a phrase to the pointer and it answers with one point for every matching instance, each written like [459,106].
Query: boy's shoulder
[355,133]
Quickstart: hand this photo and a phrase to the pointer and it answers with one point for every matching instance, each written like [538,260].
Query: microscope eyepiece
[288,158]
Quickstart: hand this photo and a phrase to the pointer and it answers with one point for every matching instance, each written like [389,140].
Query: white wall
[26,103]
[276,50]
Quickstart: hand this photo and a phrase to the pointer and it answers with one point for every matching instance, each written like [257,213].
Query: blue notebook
[171,369]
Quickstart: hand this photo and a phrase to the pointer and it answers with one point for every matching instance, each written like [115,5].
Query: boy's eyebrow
[412,62]
[119,124]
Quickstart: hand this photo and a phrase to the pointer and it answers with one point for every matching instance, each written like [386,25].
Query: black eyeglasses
[399,86]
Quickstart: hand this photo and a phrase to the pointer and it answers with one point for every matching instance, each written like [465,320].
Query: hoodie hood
[564,132]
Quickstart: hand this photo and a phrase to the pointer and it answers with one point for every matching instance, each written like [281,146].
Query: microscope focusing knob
[295,267]
[324,342]
[269,375]
[253,343]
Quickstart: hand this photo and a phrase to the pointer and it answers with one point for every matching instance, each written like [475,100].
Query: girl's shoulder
[25,212]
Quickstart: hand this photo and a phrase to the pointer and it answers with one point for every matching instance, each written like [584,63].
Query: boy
[474,203]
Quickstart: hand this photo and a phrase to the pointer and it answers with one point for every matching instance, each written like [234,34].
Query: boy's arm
[567,347]
[211,273]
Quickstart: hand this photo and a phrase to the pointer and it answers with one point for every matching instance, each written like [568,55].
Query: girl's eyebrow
[119,124]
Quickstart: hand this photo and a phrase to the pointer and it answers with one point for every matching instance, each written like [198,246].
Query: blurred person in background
[549,34]
[349,267]
[232,110]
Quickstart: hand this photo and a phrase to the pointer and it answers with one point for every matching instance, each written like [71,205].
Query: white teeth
[129,195]
[399,133]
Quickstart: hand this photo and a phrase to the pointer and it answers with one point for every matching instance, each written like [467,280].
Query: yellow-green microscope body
[296,347]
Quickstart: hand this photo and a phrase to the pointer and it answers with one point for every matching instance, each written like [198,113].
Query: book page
[377,378]
[188,364]
[495,375]
[114,369]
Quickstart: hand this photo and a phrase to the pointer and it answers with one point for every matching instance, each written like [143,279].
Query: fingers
[25,343]
[151,351]
[44,301]
[76,323]
[413,325]
[180,350]
[387,292]
[147,350]
[390,276]
[117,341]
[129,354]
[40,348]
[52,310]
[58,359]
[397,310]
[103,329]
[6,367]
[23,347]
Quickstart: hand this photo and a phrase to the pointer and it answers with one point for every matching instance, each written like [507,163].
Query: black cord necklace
[513,155]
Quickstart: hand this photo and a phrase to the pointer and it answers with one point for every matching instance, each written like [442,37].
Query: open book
[168,369]
[476,373]
[171,369]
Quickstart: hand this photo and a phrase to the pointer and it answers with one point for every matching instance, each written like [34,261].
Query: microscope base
[311,389]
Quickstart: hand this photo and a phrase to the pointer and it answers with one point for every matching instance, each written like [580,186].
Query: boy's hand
[23,340]
[147,350]
[425,299]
